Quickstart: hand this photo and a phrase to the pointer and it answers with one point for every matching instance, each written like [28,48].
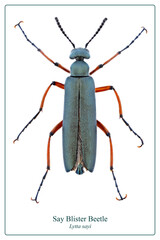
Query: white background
[28,76]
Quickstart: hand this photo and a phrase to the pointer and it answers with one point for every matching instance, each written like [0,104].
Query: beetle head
[79,54]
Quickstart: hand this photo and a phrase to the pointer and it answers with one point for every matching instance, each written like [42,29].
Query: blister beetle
[79,120]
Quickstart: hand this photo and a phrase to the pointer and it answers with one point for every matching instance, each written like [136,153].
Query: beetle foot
[127,124]
[145,29]
[34,200]
[18,24]
[15,140]
[141,144]
[121,198]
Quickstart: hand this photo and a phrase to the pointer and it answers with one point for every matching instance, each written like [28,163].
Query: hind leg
[104,129]
[54,130]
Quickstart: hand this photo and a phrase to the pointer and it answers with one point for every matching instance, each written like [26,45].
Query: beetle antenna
[59,25]
[103,22]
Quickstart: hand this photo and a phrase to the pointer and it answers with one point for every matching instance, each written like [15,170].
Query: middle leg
[106,88]
[57,84]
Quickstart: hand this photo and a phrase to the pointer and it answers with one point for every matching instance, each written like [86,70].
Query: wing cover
[79,112]
[88,122]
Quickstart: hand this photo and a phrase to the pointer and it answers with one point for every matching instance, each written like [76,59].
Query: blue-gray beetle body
[79,120]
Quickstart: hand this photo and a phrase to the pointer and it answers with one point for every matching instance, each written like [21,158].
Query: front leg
[118,53]
[38,49]
[106,88]
[104,129]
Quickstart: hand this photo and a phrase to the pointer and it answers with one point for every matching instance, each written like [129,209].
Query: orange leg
[104,129]
[55,63]
[106,88]
[38,49]
[54,130]
[57,84]
[101,65]
[119,52]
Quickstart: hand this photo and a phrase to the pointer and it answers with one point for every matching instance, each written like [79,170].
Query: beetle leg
[105,88]
[119,52]
[35,199]
[60,85]
[54,130]
[101,65]
[39,50]
[104,129]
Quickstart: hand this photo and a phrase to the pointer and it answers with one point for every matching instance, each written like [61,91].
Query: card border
[151,5]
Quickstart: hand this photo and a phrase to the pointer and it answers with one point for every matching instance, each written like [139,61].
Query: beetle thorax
[79,68]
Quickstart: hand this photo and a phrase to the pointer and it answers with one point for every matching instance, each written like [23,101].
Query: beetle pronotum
[79,120]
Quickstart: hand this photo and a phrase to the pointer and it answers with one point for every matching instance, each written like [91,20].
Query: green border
[154,119]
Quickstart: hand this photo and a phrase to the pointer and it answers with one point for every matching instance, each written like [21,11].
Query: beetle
[79,120]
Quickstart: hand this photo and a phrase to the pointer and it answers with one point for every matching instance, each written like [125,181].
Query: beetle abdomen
[79,124]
